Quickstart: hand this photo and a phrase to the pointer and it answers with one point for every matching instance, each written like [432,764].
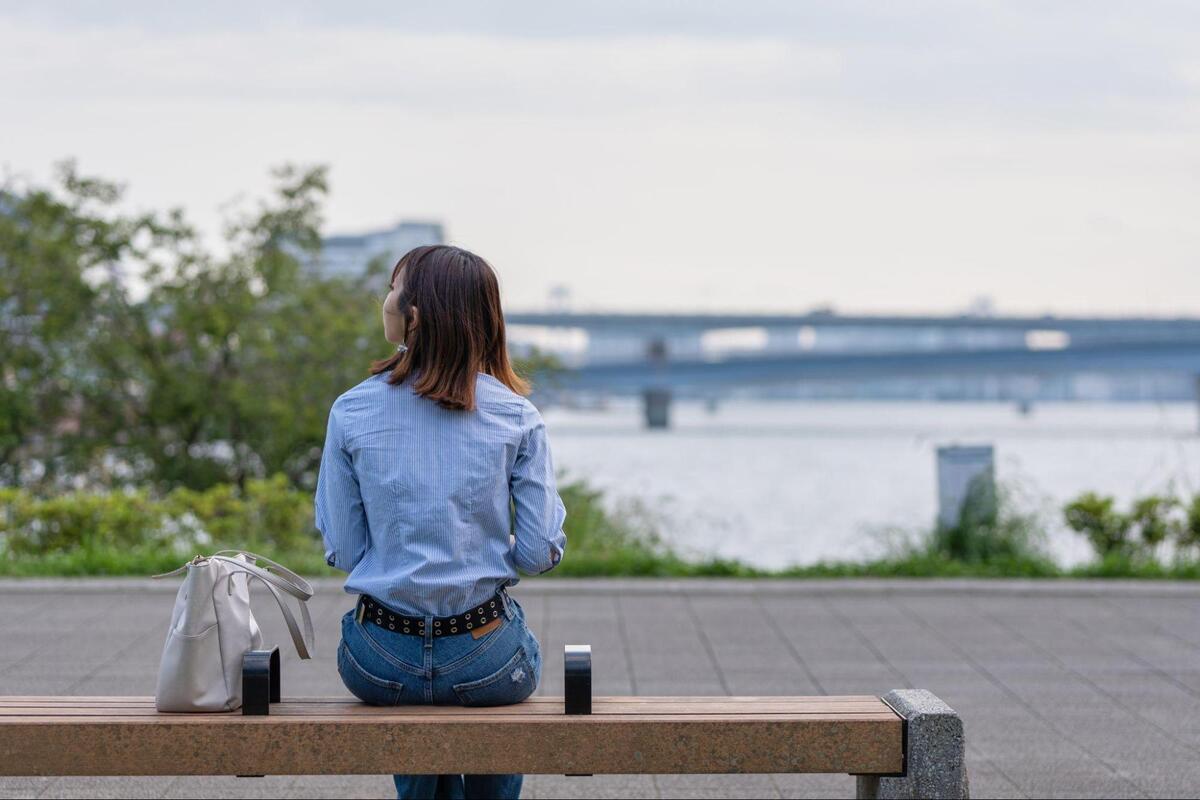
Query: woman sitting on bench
[428,465]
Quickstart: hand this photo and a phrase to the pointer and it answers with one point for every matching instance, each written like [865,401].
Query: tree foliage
[131,353]
[1139,533]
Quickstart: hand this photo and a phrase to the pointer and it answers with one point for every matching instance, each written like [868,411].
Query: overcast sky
[747,155]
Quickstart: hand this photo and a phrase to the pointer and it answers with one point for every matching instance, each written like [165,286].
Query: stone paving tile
[818,786]
[359,786]
[1061,694]
[108,787]
[598,786]
[723,792]
[24,787]
[224,786]
[989,781]
[669,687]
[763,783]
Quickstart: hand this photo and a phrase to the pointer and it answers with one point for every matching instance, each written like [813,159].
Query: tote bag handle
[283,572]
[305,641]
[287,581]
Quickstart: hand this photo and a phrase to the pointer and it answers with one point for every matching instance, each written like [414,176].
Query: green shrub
[991,529]
[602,543]
[110,531]
[1188,535]
[1096,518]
[1138,536]
[131,533]
[269,513]
[83,533]
[33,526]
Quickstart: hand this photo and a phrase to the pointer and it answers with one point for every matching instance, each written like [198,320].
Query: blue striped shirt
[413,499]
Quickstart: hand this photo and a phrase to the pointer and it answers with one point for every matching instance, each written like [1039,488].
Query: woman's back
[427,466]
[432,488]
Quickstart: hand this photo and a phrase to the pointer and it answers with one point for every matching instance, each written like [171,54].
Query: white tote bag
[212,627]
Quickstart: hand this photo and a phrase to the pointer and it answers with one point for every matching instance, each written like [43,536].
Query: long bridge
[666,324]
[656,355]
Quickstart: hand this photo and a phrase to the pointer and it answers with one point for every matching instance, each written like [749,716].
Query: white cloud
[434,71]
[1189,73]
[881,164]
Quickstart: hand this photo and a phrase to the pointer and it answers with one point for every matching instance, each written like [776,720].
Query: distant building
[349,255]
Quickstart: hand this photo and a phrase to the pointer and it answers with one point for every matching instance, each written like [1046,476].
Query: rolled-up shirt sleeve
[339,510]
[539,511]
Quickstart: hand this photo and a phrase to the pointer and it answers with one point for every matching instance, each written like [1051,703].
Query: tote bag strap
[275,567]
[305,641]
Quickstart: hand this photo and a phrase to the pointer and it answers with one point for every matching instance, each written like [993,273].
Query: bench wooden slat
[550,706]
[458,719]
[816,700]
[357,710]
[124,736]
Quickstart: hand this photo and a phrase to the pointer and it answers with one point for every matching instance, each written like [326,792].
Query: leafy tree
[57,250]
[132,354]
[225,370]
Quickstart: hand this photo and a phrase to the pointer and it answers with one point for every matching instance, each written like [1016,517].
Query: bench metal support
[577,684]
[260,681]
[260,684]
[934,752]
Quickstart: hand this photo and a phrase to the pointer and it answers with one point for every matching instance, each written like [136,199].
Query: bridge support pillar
[656,405]
[1198,403]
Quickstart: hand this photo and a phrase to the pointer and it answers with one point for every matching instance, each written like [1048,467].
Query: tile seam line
[1089,681]
[866,642]
[906,679]
[974,757]
[1016,698]
[708,648]
[1152,667]
[626,650]
[773,624]
[1155,626]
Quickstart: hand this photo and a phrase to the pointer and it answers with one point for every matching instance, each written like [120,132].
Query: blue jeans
[386,668]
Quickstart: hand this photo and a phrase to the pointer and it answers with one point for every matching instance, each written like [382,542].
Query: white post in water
[959,471]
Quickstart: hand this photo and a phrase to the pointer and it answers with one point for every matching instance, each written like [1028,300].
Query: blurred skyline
[753,156]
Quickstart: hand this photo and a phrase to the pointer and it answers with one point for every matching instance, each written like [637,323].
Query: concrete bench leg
[934,758]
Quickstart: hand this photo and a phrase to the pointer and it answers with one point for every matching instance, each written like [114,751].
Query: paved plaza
[1066,689]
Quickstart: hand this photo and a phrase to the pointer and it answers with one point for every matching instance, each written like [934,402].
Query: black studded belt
[371,610]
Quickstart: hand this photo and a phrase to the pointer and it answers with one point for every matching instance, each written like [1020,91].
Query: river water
[784,482]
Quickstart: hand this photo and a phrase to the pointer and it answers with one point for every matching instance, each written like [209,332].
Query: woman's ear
[416,316]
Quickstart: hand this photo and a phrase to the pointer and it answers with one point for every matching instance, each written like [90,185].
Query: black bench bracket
[577,684]
[260,681]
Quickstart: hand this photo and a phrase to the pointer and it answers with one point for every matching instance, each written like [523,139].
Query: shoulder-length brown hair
[459,331]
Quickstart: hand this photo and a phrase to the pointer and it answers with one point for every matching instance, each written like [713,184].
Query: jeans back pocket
[364,685]
[512,683]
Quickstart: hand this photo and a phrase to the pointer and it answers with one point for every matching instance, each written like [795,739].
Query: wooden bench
[907,744]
